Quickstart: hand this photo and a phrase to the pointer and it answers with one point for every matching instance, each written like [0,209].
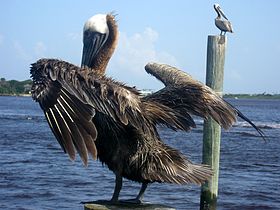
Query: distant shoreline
[20,95]
[252,96]
[231,96]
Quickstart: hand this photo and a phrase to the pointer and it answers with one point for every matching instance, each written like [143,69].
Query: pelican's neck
[101,61]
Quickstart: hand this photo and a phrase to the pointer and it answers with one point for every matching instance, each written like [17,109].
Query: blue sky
[172,32]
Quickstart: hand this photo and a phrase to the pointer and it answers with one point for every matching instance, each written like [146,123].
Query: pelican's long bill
[93,41]
[94,36]
[219,10]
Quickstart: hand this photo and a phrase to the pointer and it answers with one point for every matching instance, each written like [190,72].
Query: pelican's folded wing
[70,97]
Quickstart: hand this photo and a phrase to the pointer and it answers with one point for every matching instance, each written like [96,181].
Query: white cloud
[40,49]
[21,52]
[74,35]
[30,54]
[133,53]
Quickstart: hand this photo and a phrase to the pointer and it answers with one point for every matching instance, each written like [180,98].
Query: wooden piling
[211,130]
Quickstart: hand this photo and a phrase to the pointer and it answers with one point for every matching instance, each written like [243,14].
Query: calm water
[36,174]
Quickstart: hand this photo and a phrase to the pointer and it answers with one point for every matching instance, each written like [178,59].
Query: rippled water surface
[36,174]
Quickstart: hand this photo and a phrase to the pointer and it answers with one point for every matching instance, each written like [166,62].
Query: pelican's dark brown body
[117,145]
[121,125]
[121,147]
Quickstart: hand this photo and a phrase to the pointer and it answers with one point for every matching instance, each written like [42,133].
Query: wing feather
[54,129]
[71,96]
[64,132]
[188,96]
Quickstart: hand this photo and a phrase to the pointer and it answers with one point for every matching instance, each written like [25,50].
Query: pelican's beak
[93,42]
[221,12]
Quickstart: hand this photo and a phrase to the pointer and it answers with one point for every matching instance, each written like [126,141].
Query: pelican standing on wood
[223,25]
[95,115]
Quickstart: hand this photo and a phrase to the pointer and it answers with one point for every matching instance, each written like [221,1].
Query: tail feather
[169,165]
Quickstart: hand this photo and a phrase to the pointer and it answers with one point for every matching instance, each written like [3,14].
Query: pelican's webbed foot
[102,202]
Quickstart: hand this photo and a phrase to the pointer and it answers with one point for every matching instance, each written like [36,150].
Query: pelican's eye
[86,33]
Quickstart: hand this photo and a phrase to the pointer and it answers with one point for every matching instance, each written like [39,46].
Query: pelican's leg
[141,192]
[118,187]
[140,195]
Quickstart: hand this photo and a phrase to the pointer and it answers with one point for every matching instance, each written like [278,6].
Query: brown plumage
[98,116]
[189,96]
[103,118]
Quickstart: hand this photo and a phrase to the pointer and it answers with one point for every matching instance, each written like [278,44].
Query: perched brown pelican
[98,116]
[223,25]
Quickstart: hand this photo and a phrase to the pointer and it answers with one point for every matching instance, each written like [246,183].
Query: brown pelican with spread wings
[97,116]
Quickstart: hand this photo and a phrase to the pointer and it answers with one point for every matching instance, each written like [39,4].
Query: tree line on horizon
[14,87]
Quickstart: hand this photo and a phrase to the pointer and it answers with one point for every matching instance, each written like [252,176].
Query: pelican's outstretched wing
[190,96]
[70,97]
